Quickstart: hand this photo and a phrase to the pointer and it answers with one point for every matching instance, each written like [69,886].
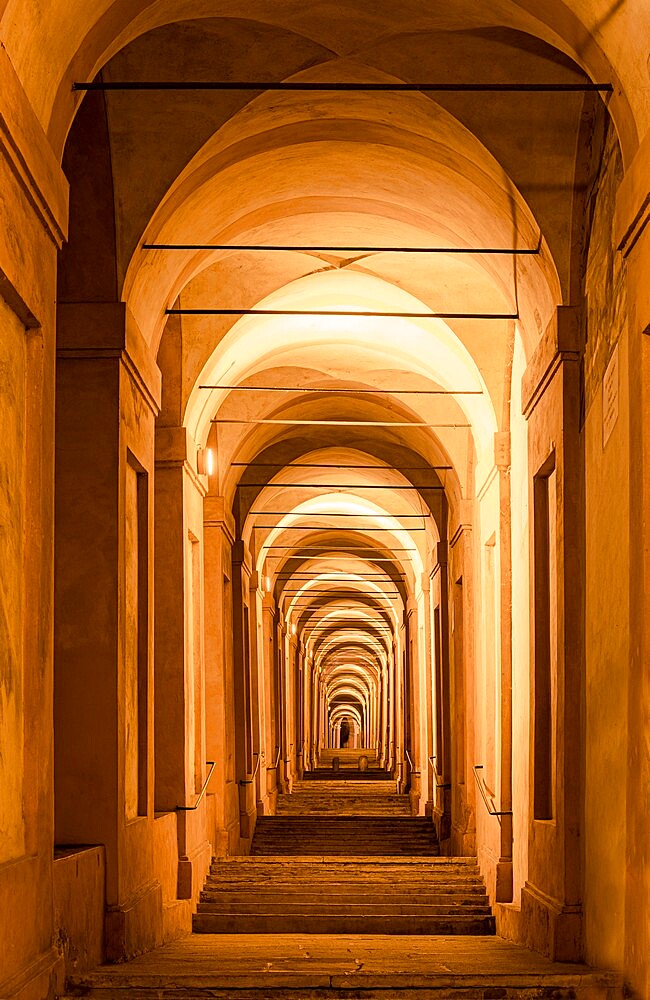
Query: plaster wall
[520,627]
[607,594]
[12,464]
[34,201]
[486,708]
[79,876]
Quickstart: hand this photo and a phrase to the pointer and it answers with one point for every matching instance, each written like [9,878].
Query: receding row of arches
[315,447]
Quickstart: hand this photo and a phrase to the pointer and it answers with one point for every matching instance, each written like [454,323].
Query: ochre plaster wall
[607,565]
[79,899]
[520,628]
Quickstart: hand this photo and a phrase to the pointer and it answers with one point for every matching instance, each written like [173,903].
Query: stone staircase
[353,798]
[332,864]
[348,766]
[334,895]
[346,925]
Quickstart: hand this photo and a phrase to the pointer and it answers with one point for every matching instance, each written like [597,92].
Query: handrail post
[196,805]
[489,805]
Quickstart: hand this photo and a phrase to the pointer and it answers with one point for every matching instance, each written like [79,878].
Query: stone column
[413,707]
[258,694]
[551,899]
[504,874]
[179,735]
[272,737]
[441,771]
[243,690]
[632,235]
[461,684]
[218,536]
[108,390]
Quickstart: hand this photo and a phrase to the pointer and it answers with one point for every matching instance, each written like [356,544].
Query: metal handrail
[440,782]
[485,795]
[408,757]
[196,805]
[277,759]
[249,781]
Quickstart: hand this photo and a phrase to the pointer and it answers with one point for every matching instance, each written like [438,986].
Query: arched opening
[326,396]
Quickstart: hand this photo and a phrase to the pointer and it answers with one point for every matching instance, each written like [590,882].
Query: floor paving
[306,966]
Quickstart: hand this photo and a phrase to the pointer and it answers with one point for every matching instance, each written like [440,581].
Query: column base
[549,927]
[134,927]
[192,871]
[43,978]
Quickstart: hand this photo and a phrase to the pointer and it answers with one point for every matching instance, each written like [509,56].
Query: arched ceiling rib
[55,44]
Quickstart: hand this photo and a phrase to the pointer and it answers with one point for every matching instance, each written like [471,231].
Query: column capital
[632,213]
[99,330]
[217,515]
[560,343]
[25,146]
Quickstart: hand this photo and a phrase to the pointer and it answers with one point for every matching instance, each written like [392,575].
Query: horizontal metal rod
[365,313]
[356,558]
[337,616]
[327,527]
[341,621]
[339,389]
[312,527]
[345,86]
[316,629]
[330,575]
[343,592]
[335,486]
[298,248]
[330,513]
[334,423]
[323,465]
[344,550]
[322,624]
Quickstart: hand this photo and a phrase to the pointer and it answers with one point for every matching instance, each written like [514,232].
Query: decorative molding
[559,343]
[30,157]
[92,330]
[633,201]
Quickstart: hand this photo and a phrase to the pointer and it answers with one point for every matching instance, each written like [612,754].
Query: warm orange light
[205,461]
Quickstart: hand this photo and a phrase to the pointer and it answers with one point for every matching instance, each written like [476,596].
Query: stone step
[333,906]
[256,922]
[337,967]
[317,894]
[345,850]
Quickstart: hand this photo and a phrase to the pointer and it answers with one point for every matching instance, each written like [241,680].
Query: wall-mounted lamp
[267,584]
[205,461]
[293,630]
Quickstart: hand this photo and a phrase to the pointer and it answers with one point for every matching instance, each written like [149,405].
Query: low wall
[79,892]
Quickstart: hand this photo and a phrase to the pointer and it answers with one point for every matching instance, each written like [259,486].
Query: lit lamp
[205,461]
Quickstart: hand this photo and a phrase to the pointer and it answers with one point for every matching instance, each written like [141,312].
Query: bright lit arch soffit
[52,45]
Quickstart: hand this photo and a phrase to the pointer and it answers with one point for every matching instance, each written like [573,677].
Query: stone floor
[305,967]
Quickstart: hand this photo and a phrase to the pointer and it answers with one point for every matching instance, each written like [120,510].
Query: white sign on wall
[610,396]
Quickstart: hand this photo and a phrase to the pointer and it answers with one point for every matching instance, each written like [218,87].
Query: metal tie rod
[340,528]
[332,513]
[344,86]
[351,389]
[334,486]
[321,465]
[298,248]
[365,313]
[335,423]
